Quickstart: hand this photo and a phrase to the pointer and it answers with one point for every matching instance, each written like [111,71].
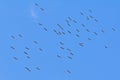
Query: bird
[69,32]
[90,10]
[81,13]
[68,49]
[63,33]
[42,9]
[87,30]
[15,58]
[106,46]
[28,57]
[36,4]
[58,56]
[91,16]
[69,57]
[13,37]
[28,69]
[95,33]
[35,42]
[12,47]
[102,31]
[95,20]
[59,33]
[27,48]
[61,43]
[89,39]
[87,18]
[74,21]
[77,30]
[68,23]
[113,29]
[60,26]
[20,35]
[69,18]
[38,68]
[68,71]
[71,53]
[81,44]
[77,35]
[83,25]
[40,24]
[40,49]
[45,29]
[62,47]
[54,30]
[25,53]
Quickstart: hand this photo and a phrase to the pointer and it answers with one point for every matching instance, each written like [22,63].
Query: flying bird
[68,49]
[20,35]
[25,53]
[106,46]
[69,32]
[62,48]
[59,33]
[38,68]
[83,25]
[89,39]
[77,30]
[58,56]
[95,20]
[42,9]
[61,43]
[63,33]
[35,42]
[71,53]
[40,24]
[87,30]
[102,31]
[74,21]
[45,29]
[91,16]
[113,29]
[81,13]
[13,37]
[15,58]
[95,33]
[40,49]
[60,26]
[28,57]
[28,69]
[77,35]
[81,44]
[36,4]
[87,18]
[69,57]
[69,18]
[27,48]
[90,10]
[68,23]
[12,47]
[68,71]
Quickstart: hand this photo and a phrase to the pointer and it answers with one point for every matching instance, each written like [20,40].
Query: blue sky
[92,61]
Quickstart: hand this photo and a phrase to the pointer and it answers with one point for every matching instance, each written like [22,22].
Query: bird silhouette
[68,71]
[20,35]
[13,37]
[28,69]
[15,58]
[12,47]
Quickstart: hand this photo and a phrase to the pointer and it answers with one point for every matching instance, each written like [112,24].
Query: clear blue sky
[92,61]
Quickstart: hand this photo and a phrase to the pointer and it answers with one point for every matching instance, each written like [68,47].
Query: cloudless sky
[91,62]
